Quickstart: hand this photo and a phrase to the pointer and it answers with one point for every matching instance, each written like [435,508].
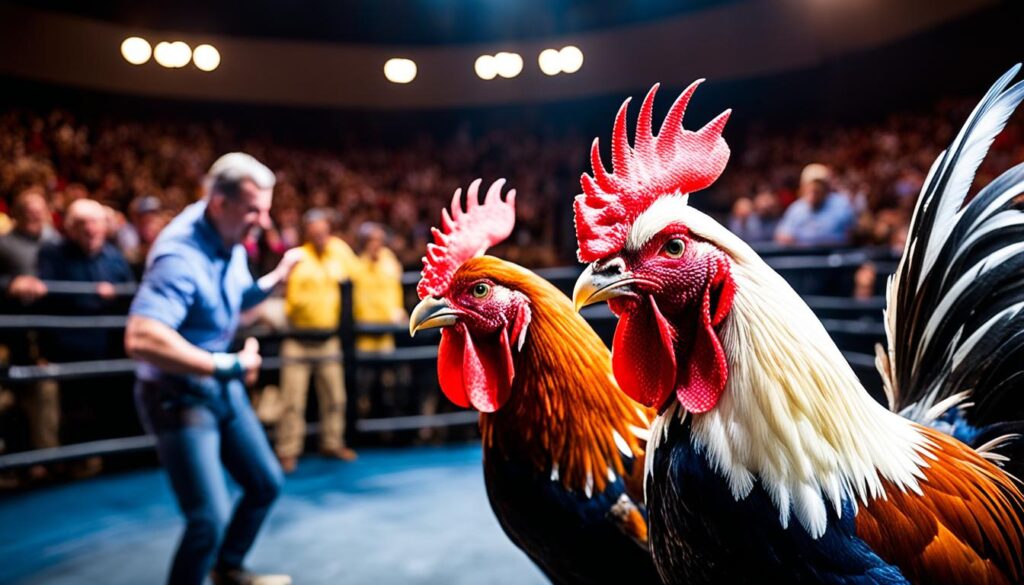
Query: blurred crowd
[847,185]
[145,172]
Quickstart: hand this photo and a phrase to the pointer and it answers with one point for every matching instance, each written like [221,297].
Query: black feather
[973,287]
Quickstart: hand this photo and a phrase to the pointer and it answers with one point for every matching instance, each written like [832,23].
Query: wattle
[643,356]
[651,359]
[475,372]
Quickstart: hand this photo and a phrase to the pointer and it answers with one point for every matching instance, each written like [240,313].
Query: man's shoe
[343,453]
[243,577]
[289,464]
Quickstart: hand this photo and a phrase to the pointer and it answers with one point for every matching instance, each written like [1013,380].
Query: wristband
[227,365]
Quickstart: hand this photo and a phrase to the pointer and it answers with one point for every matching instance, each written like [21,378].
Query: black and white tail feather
[955,306]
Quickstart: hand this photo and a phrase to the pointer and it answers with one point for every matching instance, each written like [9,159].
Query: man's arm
[153,342]
[262,288]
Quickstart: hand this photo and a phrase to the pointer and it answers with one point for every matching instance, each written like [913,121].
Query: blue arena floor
[416,516]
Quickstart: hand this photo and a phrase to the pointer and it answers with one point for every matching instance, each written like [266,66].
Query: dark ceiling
[407,22]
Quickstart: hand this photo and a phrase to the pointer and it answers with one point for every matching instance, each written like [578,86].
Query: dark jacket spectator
[85,256]
[19,249]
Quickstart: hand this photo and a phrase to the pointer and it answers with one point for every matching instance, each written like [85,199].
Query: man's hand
[268,281]
[106,291]
[251,361]
[288,262]
[26,288]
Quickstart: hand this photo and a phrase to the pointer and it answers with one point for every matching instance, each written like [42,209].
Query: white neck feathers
[794,416]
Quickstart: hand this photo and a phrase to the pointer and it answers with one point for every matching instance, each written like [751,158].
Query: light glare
[164,54]
[182,53]
[136,50]
[172,55]
[550,62]
[509,65]
[400,70]
[486,67]
[206,57]
[572,59]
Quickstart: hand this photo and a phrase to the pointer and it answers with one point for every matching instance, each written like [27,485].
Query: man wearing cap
[135,238]
[820,217]
[190,391]
[313,307]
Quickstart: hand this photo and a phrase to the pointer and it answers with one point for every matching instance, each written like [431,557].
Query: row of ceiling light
[504,64]
[173,55]
[177,54]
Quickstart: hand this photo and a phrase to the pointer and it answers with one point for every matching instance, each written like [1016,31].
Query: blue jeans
[200,434]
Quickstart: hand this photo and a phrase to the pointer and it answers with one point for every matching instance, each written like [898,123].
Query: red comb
[674,161]
[467,234]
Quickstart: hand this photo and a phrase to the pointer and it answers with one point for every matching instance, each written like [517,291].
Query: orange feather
[965,528]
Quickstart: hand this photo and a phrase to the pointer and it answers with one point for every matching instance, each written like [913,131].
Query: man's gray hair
[229,171]
[83,208]
[318,214]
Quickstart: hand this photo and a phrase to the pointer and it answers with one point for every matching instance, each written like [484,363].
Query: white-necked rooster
[563,448]
[769,462]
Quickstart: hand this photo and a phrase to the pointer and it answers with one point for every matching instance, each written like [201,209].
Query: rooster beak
[595,287]
[430,313]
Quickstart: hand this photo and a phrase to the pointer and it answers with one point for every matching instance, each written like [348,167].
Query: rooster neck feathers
[565,414]
[793,416]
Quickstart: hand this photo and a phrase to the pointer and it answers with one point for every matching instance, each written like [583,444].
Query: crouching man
[190,393]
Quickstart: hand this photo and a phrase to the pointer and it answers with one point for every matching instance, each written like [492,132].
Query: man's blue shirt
[195,284]
[830,224]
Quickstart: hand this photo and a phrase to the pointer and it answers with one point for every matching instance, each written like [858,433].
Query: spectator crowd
[847,185]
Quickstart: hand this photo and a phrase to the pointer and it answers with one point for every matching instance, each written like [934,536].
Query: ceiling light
[136,50]
[486,67]
[572,59]
[509,65]
[206,57]
[550,61]
[400,70]
[182,53]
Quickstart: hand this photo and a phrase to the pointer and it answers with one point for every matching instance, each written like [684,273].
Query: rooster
[768,461]
[561,461]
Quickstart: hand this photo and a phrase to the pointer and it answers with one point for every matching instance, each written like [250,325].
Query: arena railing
[848,320]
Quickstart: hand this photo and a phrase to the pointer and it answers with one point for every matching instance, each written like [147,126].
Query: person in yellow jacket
[313,306]
[377,300]
[377,288]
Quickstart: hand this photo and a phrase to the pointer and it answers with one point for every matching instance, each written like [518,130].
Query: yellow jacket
[377,292]
[312,297]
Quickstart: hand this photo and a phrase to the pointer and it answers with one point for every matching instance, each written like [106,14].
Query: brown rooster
[563,448]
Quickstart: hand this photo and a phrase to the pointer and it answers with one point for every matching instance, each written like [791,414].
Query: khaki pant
[41,403]
[330,389]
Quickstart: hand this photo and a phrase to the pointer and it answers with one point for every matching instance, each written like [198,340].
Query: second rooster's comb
[466,233]
[676,161]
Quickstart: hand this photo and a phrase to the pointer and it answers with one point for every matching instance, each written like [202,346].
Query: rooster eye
[674,248]
[480,290]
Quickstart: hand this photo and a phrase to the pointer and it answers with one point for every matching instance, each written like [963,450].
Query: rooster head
[670,285]
[483,319]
